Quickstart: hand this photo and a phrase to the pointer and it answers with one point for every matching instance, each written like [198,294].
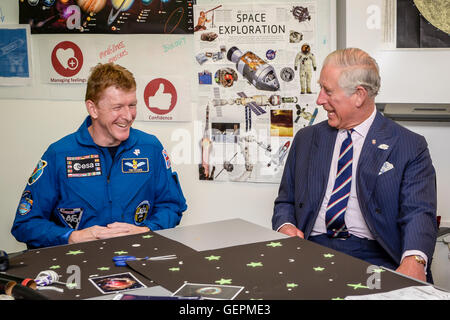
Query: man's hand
[411,268]
[87,234]
[291,231]
[116,229]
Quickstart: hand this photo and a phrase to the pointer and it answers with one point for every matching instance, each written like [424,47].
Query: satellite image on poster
[107,16]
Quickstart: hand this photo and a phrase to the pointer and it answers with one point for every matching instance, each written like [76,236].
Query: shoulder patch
[37,172]
[166,159]
[26,203]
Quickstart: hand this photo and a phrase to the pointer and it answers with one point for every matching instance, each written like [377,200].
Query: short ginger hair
[106,75]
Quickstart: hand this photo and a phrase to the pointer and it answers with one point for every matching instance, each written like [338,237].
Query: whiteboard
[407,75]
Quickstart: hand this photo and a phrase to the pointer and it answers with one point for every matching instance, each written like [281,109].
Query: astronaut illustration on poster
[257,86]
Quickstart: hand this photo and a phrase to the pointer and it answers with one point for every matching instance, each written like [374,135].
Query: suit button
[300,205]
[378,210]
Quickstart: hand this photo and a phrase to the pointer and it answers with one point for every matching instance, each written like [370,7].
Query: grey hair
[359,69]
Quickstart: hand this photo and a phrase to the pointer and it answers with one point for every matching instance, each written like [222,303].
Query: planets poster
[108,16]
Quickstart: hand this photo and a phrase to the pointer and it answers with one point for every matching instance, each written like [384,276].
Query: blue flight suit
[77,185]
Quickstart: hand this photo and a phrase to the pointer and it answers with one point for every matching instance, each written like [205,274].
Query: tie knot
[349,132]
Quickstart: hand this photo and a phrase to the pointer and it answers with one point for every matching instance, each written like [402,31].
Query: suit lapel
[320,162]
[373,156]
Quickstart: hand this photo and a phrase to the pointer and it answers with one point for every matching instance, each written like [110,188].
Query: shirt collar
[363,128]
[84,137]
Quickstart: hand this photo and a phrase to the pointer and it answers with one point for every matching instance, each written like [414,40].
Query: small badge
[141,212]
[383,146]
[26,203]
[138,165]
[137,152]
[166,158]
[37,172]
[72,216]
[84,166]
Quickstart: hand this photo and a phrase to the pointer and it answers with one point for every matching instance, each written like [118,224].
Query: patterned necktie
[337,205]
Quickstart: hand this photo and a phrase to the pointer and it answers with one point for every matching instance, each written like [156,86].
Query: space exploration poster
[257,86]
[107,16]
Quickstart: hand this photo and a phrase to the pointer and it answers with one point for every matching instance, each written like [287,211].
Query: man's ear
[360,95]
[91,109]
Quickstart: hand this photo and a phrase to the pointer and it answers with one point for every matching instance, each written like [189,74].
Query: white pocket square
[386,167]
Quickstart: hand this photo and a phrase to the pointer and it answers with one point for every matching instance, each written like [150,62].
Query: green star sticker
[71,285]
[74,252]
[120,252]
[378,270]
[328,255]
[291,285]
[318,269]
[212,257]
[148,236]
[274,244]
[174,269]
[223,281]
[55,267]
[254,264]
[103,268]
[357,286]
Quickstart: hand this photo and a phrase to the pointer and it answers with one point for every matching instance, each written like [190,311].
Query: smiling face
[342,109]
[112,116]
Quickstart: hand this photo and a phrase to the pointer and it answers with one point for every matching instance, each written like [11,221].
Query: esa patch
[141,212]
[37,172]
[26,203]
[84,166]
[166,158]
[136,165]
[71,216]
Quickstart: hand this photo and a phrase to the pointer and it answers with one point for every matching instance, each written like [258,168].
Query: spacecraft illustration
[302,113]
[278,157]
[254,69]
[206,145]
[244,145]
[10,47]
[301,13]
[254,102]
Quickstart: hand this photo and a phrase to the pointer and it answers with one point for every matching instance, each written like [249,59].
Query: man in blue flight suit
[104,180]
